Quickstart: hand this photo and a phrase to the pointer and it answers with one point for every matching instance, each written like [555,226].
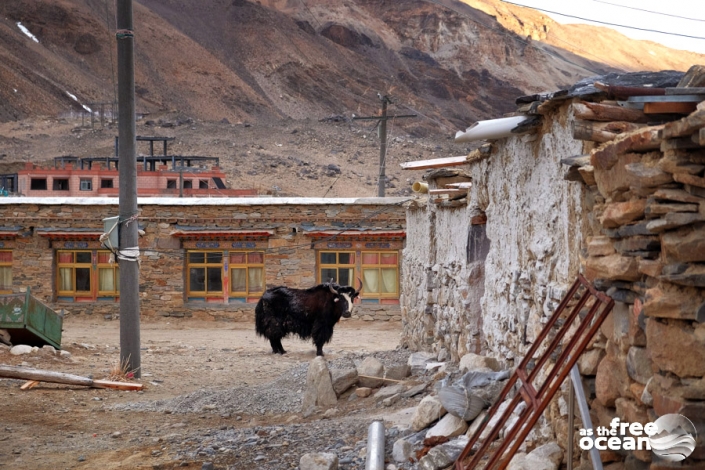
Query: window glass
[197,279]
[83,257]
[197,257]
[328,258]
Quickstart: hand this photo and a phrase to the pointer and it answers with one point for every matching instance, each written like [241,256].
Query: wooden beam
[601,131]
[449,191]
[676,107]
[606,112]
[26,373]
[467,185]
[685,126]
[434,163]
[605,156]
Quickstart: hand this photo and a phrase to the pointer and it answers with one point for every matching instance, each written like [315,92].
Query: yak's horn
[359,288]
[330,286]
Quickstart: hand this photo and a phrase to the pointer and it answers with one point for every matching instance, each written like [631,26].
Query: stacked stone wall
[647,250]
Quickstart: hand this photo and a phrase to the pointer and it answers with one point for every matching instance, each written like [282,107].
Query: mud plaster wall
[534,223]
[441,292]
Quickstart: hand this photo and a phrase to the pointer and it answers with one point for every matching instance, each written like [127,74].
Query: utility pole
[128,253]
[383,139]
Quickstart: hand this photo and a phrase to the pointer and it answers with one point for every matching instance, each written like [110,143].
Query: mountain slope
[249,81]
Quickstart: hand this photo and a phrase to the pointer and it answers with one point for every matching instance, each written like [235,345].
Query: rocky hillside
[281,65]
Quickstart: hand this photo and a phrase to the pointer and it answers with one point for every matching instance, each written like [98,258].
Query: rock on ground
[370,367]
[429,410]
[448,426]
[343,379]
[319,461]
[319,387]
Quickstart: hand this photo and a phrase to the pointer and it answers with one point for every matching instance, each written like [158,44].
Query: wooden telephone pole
[127,143]
[383,138]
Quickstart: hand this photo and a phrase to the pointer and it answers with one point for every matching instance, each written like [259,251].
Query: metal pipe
[584,413]
[375,446]
[419,187]
[571,424]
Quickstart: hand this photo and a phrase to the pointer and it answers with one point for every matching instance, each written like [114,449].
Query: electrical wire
[606,23]
[649,11]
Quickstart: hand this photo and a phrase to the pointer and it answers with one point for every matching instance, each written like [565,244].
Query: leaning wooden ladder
[537,398]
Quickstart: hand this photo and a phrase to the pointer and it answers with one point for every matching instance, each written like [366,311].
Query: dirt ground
[56,426]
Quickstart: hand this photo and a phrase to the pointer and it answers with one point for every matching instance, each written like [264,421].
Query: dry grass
[119,372]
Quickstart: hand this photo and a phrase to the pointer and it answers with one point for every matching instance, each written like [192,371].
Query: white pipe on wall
[492,129]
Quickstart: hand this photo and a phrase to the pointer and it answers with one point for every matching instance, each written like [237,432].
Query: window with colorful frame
[217,275]
[379,269]
[380,276]
[5,271]
[86,275]
[246,275]
[338,266]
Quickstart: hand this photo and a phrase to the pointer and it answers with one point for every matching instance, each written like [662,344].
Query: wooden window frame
[337,265]
[247,265]
[116,273]
[7,264]
[93,294]
[379,266]
[205,265]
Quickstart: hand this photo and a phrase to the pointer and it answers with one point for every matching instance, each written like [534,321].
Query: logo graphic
[675,439]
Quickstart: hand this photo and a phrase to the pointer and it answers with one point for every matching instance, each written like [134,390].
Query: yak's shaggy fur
[308,313]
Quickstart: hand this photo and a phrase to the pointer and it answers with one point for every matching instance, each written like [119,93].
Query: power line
[649,11]
[606,23]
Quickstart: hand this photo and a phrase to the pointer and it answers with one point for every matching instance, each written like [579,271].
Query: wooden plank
[601,131]
[670,108]
[450,191]
[467,185]
[605,112]
[26,373]
[685,126]
[434,163]
[627,91]
[29,384]
[117,385]
[605,156]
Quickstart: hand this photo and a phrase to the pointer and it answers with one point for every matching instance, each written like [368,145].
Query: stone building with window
[207,258]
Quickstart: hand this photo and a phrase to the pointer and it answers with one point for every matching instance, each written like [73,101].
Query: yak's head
[346,295]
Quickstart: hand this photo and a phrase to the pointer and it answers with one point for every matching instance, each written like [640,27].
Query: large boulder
[343,379]
[429,410]
[443,455]
[545,457]
[367,370]
[319,387]
[472,361]
[319,461]
[448,426]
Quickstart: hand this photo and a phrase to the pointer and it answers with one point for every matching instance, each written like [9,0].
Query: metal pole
[585,414]
[571,424]
[129,268]
[382,149]
[375,446]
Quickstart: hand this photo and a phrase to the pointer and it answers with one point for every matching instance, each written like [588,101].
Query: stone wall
[290,259]
[534,225]
[442,286]
[647,252]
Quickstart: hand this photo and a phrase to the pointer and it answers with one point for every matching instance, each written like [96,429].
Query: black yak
[309,313]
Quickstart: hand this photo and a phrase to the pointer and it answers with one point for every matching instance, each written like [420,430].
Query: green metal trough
[29,321]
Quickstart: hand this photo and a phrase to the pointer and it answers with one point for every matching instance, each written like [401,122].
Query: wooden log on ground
[605,112]
[449,191]
[605,156]
[26,373]
[601,131]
